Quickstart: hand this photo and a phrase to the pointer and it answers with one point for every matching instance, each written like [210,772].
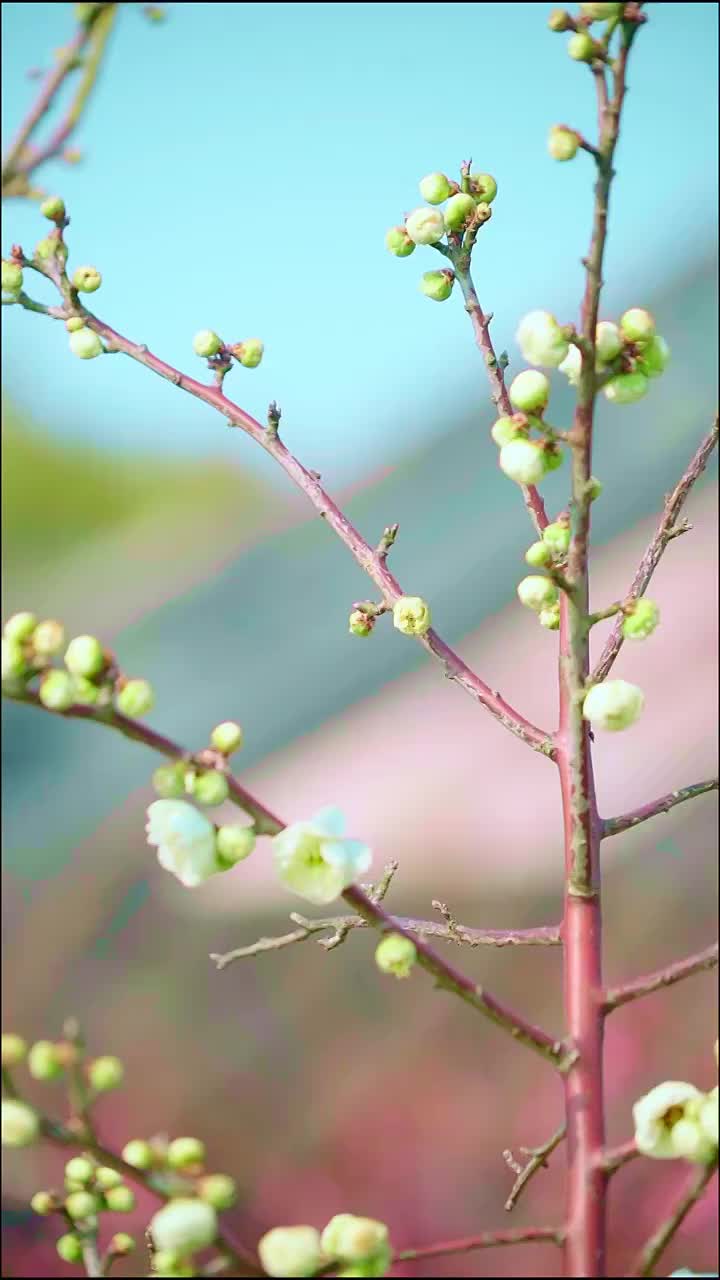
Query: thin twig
[666,530]
[538,1160]
[485,1240]
[613,1158]
[657,1243]
[614,826]
[677,972]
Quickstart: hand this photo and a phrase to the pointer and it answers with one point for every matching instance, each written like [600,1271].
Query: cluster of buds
[210,346]
[522,458]
[89,676]
[537,592]
[627,355]
[411,616]
[676,1120]
[467,204]
[581,45]
[349,1246]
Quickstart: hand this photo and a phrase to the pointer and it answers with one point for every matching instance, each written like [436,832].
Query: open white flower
[657,1114]
[316,861]
[186,841]
[571,366]
[541,340]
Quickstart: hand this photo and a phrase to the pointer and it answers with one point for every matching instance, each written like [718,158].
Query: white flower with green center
[185,841]
[657,1114]
[316,861]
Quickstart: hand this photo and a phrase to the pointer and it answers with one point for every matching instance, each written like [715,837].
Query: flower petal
[329,821]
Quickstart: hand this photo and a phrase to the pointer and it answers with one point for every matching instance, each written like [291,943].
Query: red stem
[485,1240]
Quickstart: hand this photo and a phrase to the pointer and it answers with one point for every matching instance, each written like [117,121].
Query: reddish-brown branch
[614,826]
[485,1240]
[667,977]
[659,1241]
[613,1158]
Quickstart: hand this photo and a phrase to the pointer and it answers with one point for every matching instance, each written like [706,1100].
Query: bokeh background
[241,165]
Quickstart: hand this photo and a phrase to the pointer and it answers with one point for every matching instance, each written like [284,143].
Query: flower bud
[44,1202]
[73,324]
[399,243]
[613,705]
[120,1199]
[169,781]
[395,954]
[350,1239]
[601,12]
[641,619]
[425,226]
[552,455]
[85,344]
[638,325]
[14,1049]
[550,618]
[48,248]
[86,279]
[56,691]
[582,47]
[69,1248]
[20,1125]
[435,188]
[20,626]
[560,20]
[483,187]
[541,341]
[594,488]
[505,430]
[359,623]
[85,692]
[167,1262]
[562,143]
[80,1170]
[655,357]
[530,391]
[556,536]
[233,844]
[43,1060]
[458,210]
[538,555]
[185,1151]
[206,343]
[107,1178]
[84,656]
[626,388]
[290,1251]
[522,461]
[249,353]
[48,638]
[184,1225]
[608,342]
[571,366]
[121,1244]
[219,1190]
[53,208]
[81,1204]
[135,698]
[437,285]
[227,737]
[13,659]
[411,615]
[12,276]
[105,1073]
[537,593]
[138,1153]
[208,788]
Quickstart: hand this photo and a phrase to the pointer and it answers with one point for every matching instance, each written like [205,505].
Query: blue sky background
[243,162]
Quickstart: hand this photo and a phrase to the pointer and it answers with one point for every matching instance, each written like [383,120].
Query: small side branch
[667,977]
[614,826]
[613,1158]
[538,1160]
[658,1242]
[485,1240]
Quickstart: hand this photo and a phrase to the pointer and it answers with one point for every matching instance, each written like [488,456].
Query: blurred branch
[538,1160]
[613,1158]
[666,531]
[657,1243]
[613,826]
[485,1240]
[677,972]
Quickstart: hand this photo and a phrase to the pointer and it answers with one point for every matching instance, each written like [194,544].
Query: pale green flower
[656,1115]
[316,861]
[185,839]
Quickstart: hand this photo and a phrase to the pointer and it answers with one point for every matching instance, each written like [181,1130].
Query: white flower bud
[536,592]
[425,226]
[530,391]
[571,366]
[523,461]
[608,342]
[290,1251]
[614,704]
[541,341]
[184,1226]
[20,1124]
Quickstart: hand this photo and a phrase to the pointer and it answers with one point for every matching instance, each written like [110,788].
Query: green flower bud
[360,624]
[613,705]
[655,357]
[507,429]
[557,537]
[14,1049]
[84,691]
[84,656]
[184,1225]
[538,555]
[107,1178]
[135,698]
[437,285]
[168,1262]
[234,844]
[74,324]
[80,1170]
[209,788]
[19,1124]
[13,659]
[249,353]
[185,1151]
[626,388]
[425,226]
[85,344]
[550,618]
[120,1199]
[483,187]
[399,243]
[219,1190]
[582,47]
[138,1153]
[43,1202]
[121,1244]
[560,20]
[458,210]
[537,593]
[86,279]
[56,691]
[69,1248]
[81,1204]
[530,391]
[541,339]
[638,325]
[562,143]
[43,1060]
[523,461]
[20,626]
[227,737]
[48,638]
[12,276]
[53,208]
[435,188]
[395,954]
[411,615]
[206,343]
[169,781]
[552,456]
[641,619]
[48,248]
[105,1073]
[608,342]
[594,488]
[290,1251]
[601,12]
